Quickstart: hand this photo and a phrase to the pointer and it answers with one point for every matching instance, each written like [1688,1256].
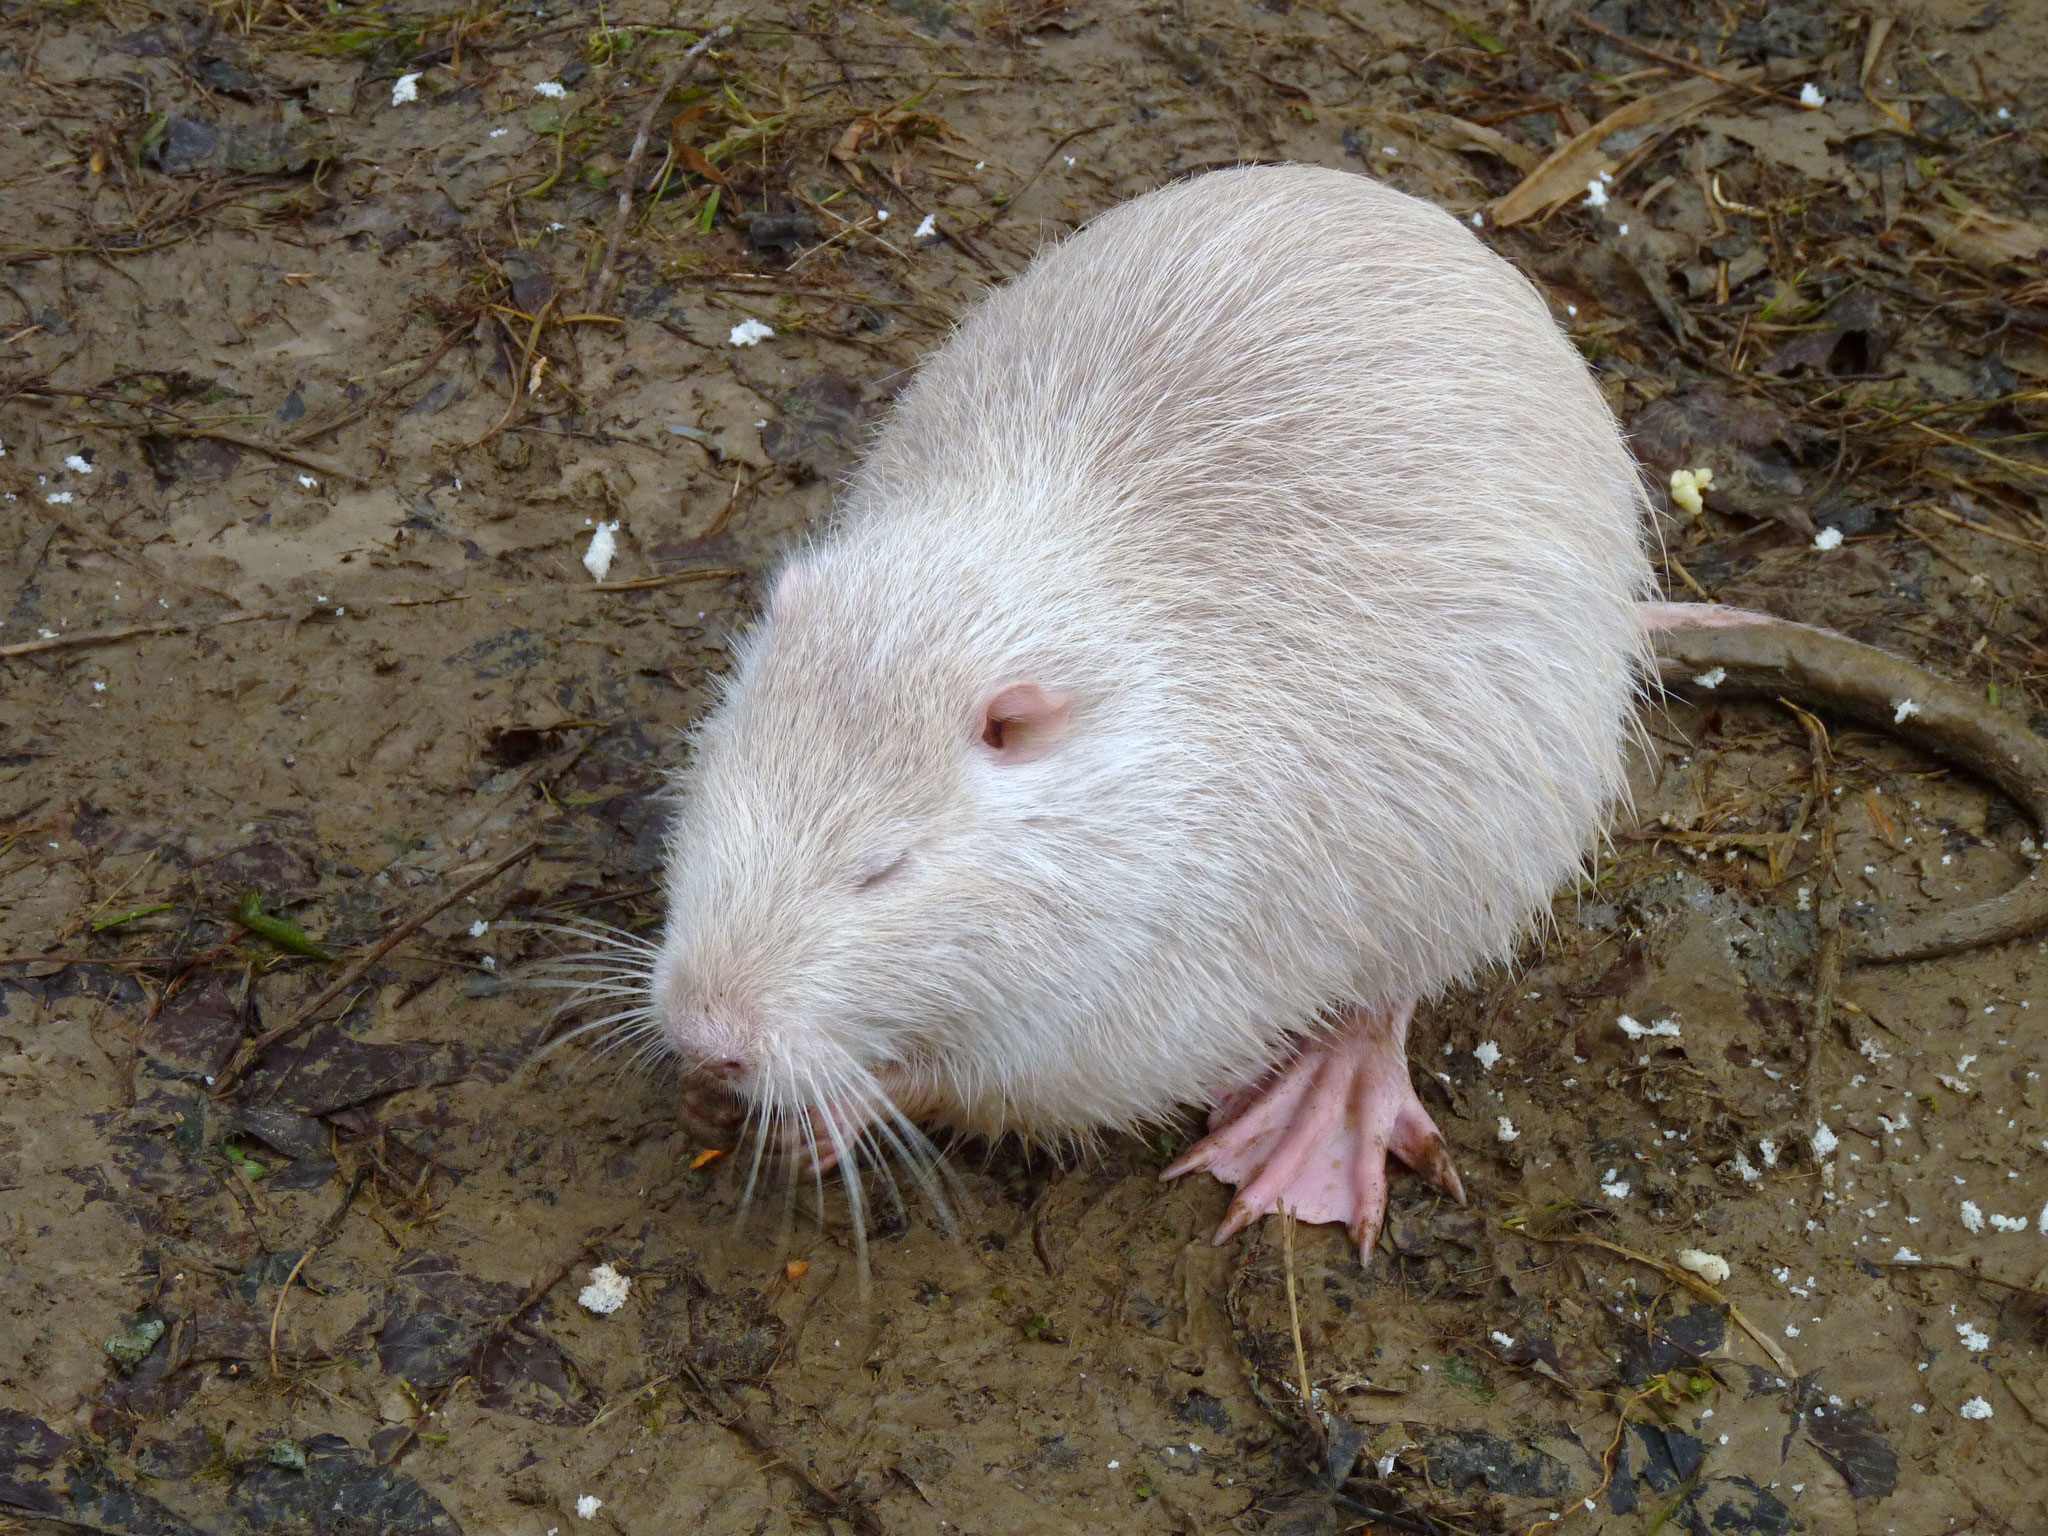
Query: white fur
[1298,493]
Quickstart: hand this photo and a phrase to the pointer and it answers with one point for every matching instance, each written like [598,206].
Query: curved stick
[1754,654]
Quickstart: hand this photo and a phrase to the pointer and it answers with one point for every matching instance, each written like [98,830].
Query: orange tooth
[704,1157]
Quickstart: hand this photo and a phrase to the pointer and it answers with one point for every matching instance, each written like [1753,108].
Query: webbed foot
[1315,1136]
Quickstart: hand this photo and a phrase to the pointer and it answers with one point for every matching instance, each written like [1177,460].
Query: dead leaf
[1984,239]
[692,159]
[327,1070]
[1850,1441]
[1873,50]
[847,150]
[1848,340]
[1792,138]
[1565,173]
[1751,445]
[1880,818]
[1448,132]
[890,124]
[687,154]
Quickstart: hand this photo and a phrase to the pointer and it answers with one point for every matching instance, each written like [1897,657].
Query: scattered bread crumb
[605,1294]
[1688,486]
[1710,1267]
[604,546]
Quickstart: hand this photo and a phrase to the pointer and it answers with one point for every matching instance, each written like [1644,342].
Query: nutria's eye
[881,873]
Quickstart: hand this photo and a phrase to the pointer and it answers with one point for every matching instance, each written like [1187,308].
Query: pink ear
[1022,722]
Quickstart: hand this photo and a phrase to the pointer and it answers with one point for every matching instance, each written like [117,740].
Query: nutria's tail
[1704,648]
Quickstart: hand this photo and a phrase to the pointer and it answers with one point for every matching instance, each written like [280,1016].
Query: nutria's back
[1300,496]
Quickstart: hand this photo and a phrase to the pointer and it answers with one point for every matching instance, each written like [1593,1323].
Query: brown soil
[312,627]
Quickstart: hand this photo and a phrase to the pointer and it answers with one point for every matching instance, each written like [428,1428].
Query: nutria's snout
[708,1042]
[707,1027]
[717,1046]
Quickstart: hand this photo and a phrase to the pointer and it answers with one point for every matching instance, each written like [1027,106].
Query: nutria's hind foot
[1316,1135]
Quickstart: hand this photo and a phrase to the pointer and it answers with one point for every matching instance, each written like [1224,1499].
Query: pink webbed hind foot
[1316,1135]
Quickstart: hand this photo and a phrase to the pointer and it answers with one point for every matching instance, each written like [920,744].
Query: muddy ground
[312,398]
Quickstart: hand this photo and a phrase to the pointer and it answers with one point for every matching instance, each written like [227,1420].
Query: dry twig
[250,1050]
[1675,62]
[120,632]
[1968,1270]
[320,1240]
[599,289]
[1692,1282]
[1827,950]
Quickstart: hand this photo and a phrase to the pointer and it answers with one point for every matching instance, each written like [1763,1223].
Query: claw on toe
[1316,1135]
[1431,1161]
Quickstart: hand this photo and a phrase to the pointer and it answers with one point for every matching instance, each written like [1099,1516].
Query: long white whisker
[864,1140]
[638,1013]
[603,934]
[633,1020]
[856,1199]
[930,1169]
[606,985]
[760,1117]
[786,1229]
[805,1119]
[651,1050]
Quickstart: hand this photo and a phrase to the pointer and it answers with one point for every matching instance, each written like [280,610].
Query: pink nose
[724,1070]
